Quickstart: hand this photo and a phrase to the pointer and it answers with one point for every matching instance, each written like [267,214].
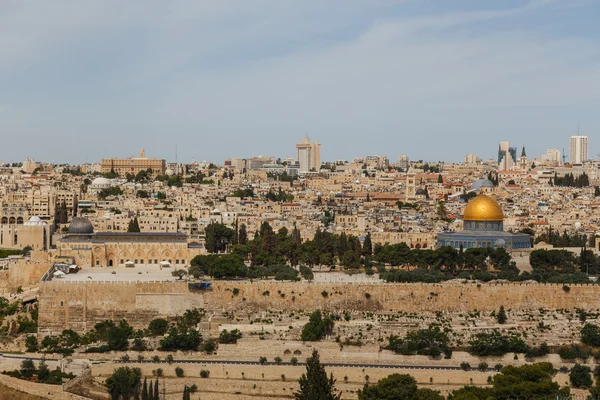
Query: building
[255,163]
[308,155]
[552,156]
[34,233]
[507,156]
[30,165]
[403,162]
[133,165]
[111,249]
[472,159]
[483,226]
[578,153]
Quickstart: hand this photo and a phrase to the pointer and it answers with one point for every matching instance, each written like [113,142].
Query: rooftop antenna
[175,153]
[564,156]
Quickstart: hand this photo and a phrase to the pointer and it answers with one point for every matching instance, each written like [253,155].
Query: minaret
[523,160]
[142,153]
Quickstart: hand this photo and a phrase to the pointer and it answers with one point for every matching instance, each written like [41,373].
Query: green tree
[581,376]
[124,383]
[243,235]
[590,335]
[134,225]
[145,395]
[179,273]
[156,395]
[158,326]
[218,237]
[501,315]
[314,384]
[318,326]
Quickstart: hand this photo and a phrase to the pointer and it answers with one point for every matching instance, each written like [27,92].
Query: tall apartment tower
[578,150]
[308,155]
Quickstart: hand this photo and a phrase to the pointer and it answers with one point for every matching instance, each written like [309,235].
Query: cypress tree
[314,385]
[145,390]
[156,395]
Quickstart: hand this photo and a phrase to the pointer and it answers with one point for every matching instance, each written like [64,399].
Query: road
[228,362]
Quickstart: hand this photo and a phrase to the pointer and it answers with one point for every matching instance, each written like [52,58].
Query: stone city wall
[452,297]
[80,305]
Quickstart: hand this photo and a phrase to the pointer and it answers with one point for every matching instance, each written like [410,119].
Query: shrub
[158,326]
[465,366]
[204,373]
[236,291]
[262,360]
[318,326]
[580,376]
[169,358]
[179,372]
[294,361]
[277,360]
[483,366]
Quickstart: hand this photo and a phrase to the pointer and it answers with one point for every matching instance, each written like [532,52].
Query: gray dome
[81,226]
[479,183]
[421,192]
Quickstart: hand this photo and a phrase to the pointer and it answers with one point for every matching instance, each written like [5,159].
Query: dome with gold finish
[483,208]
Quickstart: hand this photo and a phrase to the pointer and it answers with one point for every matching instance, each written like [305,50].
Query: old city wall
[452,297]
[21,273]
[80,305]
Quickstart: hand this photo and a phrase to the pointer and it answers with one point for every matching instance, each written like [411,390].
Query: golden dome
[483,208]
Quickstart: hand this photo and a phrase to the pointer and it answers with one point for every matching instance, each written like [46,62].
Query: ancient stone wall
[454,297]
[80,305]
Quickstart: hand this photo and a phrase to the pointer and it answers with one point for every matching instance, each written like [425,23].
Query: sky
[434,79]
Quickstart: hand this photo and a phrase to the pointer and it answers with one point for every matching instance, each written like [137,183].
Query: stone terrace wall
[454,297]
[80,305]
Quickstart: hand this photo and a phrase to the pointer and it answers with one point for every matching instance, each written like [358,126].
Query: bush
[294,361]
[158,326]
[574,352]
[169,358]
[465,366]
[204,373]
[483,366]
[262,360]
[277,360]
[581,376]
[495,343]
[590,335]
[159,372]
[179,372]
[229,337]
[429,342]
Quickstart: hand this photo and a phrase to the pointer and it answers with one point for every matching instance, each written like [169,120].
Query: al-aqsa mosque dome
[483,226]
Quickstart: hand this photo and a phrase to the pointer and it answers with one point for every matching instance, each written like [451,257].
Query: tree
[179,273]
[145,395]
[134,225]
[243,235]
[581,377]
[156,395]
[501,316]
[431,342]
[317,327]
[590,335]
[397,386]
[158,326]
[367,247]
[527,381]
[218,237]
[124,383]
[314,384]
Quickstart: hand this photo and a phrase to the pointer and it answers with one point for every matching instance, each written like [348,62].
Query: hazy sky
[435,79]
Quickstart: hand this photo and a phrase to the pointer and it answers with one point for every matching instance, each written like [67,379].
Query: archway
[11,220]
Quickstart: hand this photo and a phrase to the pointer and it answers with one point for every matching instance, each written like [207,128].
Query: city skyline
[240,79]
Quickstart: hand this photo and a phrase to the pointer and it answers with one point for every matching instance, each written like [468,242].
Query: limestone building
[110,249]
[134,165]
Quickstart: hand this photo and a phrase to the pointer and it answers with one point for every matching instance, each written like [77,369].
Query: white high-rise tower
[578,150]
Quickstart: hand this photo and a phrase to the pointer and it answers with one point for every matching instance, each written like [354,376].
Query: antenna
[175,153]
[564,156]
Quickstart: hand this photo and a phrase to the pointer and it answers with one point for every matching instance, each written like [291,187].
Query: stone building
[110,249]
[134,165]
